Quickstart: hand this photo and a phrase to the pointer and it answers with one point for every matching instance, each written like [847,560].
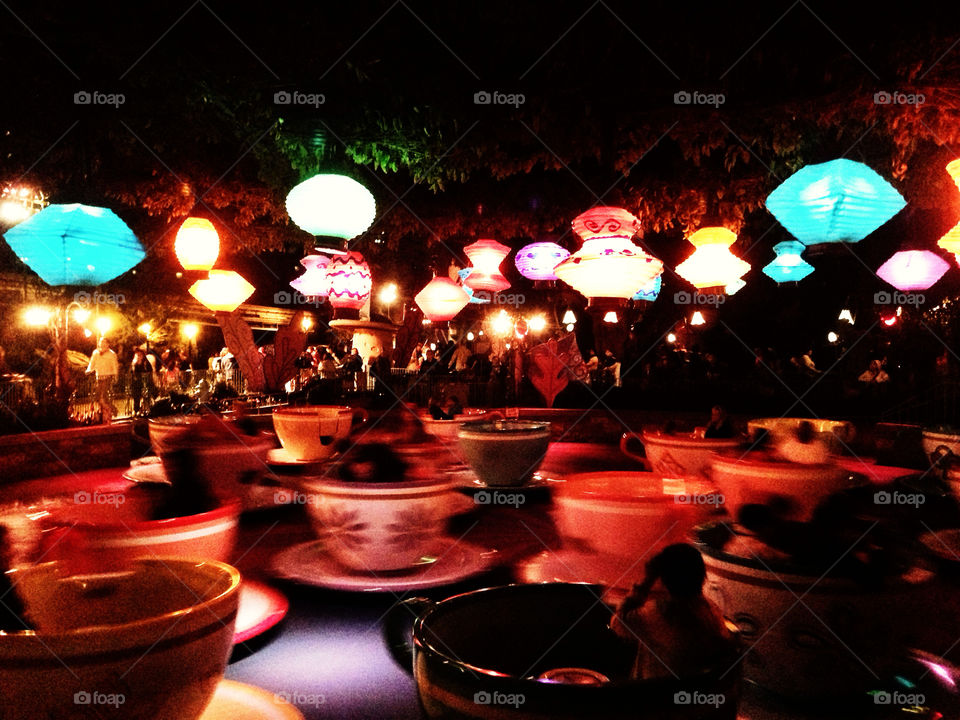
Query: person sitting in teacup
[719,425]
[678,632]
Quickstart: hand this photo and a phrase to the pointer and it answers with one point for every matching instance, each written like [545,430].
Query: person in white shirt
[104,363]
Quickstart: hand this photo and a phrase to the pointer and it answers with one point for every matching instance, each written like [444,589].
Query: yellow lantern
[223,291]
[712,264]
[951,241]
[197,244]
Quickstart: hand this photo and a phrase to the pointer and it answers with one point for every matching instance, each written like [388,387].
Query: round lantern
[441,299]
[608,265]
[313,282]
[486,256]
[536,261]
[712,264]
[913,269]
[788,266]
[222,291]
[197,244]
[332,205]
[349,281]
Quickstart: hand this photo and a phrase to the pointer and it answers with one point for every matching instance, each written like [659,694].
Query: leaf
[279,367]
[552,364]
[239,338]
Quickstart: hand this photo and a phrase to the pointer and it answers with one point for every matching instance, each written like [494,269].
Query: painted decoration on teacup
[411,526]
[341,526]
[669,466]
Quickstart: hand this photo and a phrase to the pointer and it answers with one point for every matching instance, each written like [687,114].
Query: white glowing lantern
[222,291]
[441,299]
[332,205]
[697,318]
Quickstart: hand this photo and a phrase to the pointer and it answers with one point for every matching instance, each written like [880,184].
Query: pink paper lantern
[349,281]
[313,282]
[486,256]
[536,261]
[913,270]
[441,299]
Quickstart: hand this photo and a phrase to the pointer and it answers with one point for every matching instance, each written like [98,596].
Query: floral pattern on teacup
[411,526]
[341,526]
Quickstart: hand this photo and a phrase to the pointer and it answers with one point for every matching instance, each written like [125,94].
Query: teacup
[446,430]
[151,642]
[539,651]
[941,444]
[836,434]
[311,432]
[504,452]
[678,455]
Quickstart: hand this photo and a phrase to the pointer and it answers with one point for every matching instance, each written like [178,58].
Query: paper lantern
[332,205]
[788,266]
[474,298]
[313,282]
[197,244]
[846,316]
[697,318]
[441,299]
[486,256]
[75,245]
[611,317]
[836,201]
[951,241]
[222,291]
[569,318]
[712,264]
[651,291]
[536,261]
[913,269]
[349,281]
[608,265]
[734,287]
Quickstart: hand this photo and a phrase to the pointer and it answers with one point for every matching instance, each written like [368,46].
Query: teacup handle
[398,629]
[941,455]
[363,416]
[493,415]
[624,442]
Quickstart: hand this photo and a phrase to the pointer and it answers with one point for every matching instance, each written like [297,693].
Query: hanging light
[788,266]
[474,298]
[536,261]
[608,265]
[671,338]
[331,205]
[486,255]
[441,299]
[197,244]
[913,269]
[501,324]
[697,318]
[37,316]
[222,291]
[651,291]
[712,264]
[313,283]
[349,281]
[19,203]
[569,318]
[734,287]
[611,317]
[538,323]
[836,201]
[846,316]
[570,327]
[388,294]
[832,337]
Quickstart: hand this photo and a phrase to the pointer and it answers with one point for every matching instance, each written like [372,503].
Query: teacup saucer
[451,562]
[261,608]
[281,458]
[239,701]
[146,473]
[467,479]
[583,565]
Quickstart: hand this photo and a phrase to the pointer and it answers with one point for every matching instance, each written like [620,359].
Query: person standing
[460,360]
[141,379]
[103,363]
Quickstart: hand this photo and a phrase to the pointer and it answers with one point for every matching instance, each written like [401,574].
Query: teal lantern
[651,291]
[788,266]
[75,245]
[836,201]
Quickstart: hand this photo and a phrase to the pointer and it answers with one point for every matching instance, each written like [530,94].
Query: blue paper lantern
[75,245]
[536,261]
[788,266]
[836,201]
[463,275]
[650,292]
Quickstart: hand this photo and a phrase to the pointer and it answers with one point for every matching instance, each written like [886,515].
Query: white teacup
[679,455]
[311,432]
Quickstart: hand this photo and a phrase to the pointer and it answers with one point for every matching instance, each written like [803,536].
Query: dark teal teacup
[504,452]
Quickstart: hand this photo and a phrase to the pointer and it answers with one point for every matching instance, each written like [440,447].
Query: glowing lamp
[104,324]
[388,294]
[19,203]
[832,337]
[486,256]
[651,291]
[913,269]
[697,318]
[712,264]
[608,265]
[471,336]
[441,299]
[349,281]
[953,168]
[75,245]
[951,242]
[837,201]
[332,205]
[569,318]
[501,324]
[536,261]
[189,331]
[671,338]
[538,323]
[570,327]
[611,317]
[734,287]
[37,316]
[313,282]
[846,315]
[223,291]
[197,244]
[788,266]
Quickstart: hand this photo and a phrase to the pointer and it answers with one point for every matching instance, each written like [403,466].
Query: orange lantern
[441,299]
[486,256]
[349,281]
[712,264]
[197,244]
[223,291]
